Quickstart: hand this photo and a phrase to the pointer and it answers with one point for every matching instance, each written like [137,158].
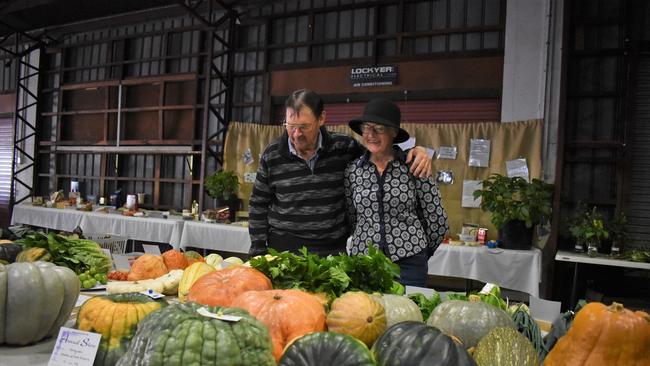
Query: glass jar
[592,249]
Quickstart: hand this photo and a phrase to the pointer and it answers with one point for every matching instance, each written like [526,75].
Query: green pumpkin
[35,301]
[9,251]
[33,255]
[417,344]
[116,318]
[327,349]
[180,335]
[399,308]
[505,347]
[468,320]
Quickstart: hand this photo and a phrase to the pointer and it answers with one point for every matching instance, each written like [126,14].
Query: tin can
[481,235]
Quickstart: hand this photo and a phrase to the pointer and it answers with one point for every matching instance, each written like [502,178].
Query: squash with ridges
[327,349]
[398,309]
[505,347]
[359,315]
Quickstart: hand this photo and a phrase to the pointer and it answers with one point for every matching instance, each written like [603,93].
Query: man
[298,198]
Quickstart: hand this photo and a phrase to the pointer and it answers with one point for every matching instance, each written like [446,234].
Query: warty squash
[359,315]
[116,318]
[192,273]
[35,301]
[220,288]
[604,335]
[288,314]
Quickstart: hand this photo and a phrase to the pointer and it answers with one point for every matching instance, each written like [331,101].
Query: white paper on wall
[517,168]
[469,186]
[447,152]
[479,153]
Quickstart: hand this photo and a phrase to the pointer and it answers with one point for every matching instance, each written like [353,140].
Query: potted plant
[223,185]
[516,205]
[588,229]
[618,232]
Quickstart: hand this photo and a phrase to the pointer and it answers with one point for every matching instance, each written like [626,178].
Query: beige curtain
[508,141]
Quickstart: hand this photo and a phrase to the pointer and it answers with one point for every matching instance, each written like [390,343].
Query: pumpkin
[193,256]
[35,301]
[288,314]
[174,259]
[33,255]
[192,273]
[115,317]
[185,334]
[327,349]
[9,251]
[220,288]
[604,335]
[146,267]
[399,308]
[417,344]
[359,315]
[505,347]
[214,260]
[468,320]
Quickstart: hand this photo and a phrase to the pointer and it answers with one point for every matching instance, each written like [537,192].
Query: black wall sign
[373,76]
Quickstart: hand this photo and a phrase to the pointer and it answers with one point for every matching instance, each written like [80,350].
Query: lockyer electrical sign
[373,76]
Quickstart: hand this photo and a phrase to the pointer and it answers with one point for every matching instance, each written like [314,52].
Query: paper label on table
[469,186]
[74,348]
[207,313]
[153,294]
[81,300]
[121,261]
[447,152]
[151,249]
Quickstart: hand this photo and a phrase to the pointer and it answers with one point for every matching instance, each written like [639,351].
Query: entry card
[74,348]
[151,249]
[121,261]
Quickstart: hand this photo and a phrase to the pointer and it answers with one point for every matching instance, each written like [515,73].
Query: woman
[387,206]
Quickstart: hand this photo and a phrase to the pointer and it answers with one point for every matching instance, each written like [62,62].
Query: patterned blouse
[390,210]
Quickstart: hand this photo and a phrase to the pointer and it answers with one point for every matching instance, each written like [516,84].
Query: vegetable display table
[228,238]
[577,258]
[135,228]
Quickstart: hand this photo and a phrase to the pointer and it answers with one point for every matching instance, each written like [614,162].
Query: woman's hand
[421,166]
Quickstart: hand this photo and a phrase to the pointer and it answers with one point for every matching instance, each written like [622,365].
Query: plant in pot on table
[516,205]
[588,229]
[223,185]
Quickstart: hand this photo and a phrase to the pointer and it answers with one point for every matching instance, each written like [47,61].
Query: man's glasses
[378,129]
[293,128]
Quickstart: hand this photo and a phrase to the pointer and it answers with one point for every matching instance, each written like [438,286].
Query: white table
[519,270]
[136,228]
[577,258]
[229,238]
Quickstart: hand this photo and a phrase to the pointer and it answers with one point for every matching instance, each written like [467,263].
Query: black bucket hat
[382,112]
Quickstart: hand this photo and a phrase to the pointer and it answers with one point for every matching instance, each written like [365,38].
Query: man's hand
[421,166]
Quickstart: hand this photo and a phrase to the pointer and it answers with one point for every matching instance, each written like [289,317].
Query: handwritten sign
[74,348]
[151,249]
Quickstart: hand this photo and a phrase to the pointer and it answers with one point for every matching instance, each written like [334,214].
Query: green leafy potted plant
[223,185]
[588,229]
[618,232]
[516,205]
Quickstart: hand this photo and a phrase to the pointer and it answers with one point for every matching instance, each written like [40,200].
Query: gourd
[288,314]
[399,308]
[9,251]
[115,317]
[174,259]
[182,334]
[35,301]
[146,267]
[604,335]
[505,347]
[192,273]
[327,349]
[166,284]
[220,288]
[359,315]
[33,255]
[468,320]
[417,344]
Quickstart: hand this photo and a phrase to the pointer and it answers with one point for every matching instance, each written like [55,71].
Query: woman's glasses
[378,129]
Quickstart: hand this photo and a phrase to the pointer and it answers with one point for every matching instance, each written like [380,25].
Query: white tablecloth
[228,238]
[513,269]
[136,228]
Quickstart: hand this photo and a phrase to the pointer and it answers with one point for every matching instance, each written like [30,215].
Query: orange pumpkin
[220,288]
[174,259]
[604,335]
[146,267]
[288,314]
[359,315]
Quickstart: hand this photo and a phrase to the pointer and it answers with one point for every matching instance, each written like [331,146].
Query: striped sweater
[290,200]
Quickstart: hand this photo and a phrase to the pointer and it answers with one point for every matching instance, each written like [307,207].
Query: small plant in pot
[223,186]
[588,229]
[516,205]
[618,233]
